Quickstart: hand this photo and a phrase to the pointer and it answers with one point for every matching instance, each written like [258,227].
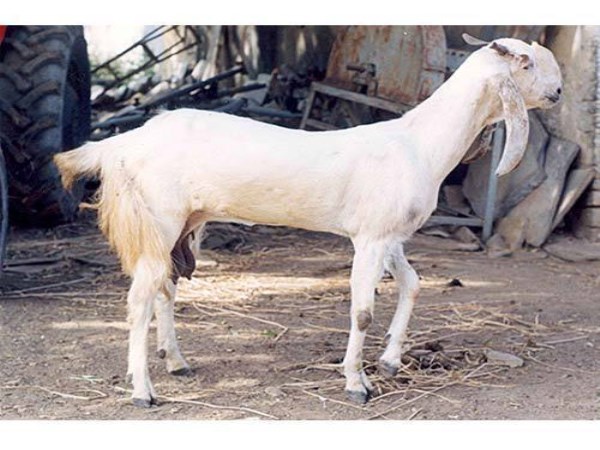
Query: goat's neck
[448,122]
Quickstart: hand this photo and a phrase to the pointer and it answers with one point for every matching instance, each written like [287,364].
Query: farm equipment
[44,109]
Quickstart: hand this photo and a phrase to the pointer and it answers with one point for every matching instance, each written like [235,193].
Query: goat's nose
[553,98]
[559,91]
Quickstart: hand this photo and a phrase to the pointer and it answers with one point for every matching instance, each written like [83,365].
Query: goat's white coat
[376,184]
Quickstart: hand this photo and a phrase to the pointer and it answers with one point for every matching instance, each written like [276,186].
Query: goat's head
[524,77]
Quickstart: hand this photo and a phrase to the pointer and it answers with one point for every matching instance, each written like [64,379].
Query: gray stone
[438,231]
[274,392]
[574,250]
[503,359]
[464,234]
[535,214]
[496,247]
[515,186]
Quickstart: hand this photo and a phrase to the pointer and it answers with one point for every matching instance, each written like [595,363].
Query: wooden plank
[577,182]
[309,104]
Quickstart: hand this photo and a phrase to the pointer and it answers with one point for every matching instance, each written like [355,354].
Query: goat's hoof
[144,402]
[183,372]
[386,369]
[359,397]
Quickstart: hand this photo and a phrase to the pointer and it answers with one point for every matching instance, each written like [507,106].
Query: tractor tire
[3,210]
[44,109]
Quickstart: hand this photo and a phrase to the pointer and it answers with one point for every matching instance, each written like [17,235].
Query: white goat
[376,184]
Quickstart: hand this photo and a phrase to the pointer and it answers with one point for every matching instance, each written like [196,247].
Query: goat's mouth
[554,98]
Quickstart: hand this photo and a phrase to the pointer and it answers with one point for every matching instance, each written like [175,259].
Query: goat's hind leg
[167,347]
[148,277]
[407,281]
[366,272]
[166,342]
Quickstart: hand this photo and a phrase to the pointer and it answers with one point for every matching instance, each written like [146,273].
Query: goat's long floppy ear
[473,40]
[517,126]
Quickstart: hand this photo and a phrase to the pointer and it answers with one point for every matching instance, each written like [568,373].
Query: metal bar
[309,104]
[368,100]
[270,112]
[123,120]
[490,201]
[240,89]
[192,87]
[151,62]
[232,107]
[149,52]
[128,49]
[352,117]
[320,125]
[449,220]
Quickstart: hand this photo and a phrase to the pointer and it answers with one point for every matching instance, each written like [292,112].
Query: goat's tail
[124,216]
[86,161]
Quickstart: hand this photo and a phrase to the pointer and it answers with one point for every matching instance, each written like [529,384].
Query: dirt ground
[264,324]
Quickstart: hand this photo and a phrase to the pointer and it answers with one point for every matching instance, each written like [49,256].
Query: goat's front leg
[166,342]
[366,272]
[144,288]
[408,289]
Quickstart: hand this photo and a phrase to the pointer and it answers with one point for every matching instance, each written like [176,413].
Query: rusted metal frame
[146,38]
[154,58]
[375,102]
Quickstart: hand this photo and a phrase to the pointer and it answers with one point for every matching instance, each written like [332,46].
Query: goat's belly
[295,214]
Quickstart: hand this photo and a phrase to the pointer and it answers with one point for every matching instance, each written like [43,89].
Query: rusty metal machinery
[404,64]
[390,68]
